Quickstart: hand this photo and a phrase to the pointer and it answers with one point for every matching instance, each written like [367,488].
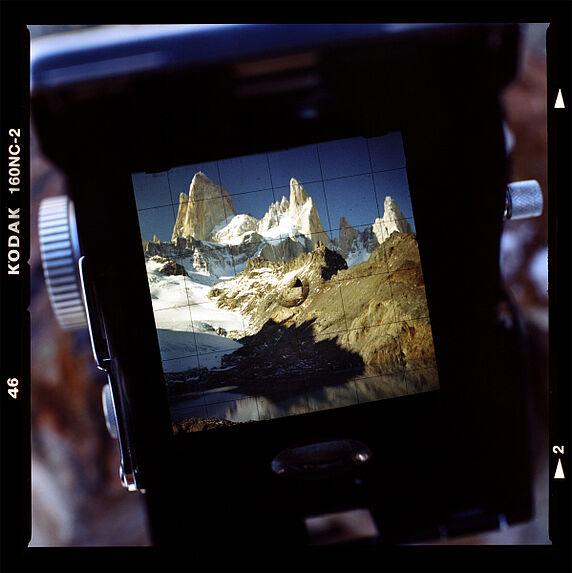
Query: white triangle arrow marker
[559,471]
[559,100]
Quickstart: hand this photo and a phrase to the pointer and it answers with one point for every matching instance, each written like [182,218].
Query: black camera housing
[451,461]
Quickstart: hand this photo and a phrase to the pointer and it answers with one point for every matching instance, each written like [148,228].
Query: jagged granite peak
[205,207]
[344,224]
[298,195]
[271,218]
[347,236]
[294,217]
[303,212]
[392,220]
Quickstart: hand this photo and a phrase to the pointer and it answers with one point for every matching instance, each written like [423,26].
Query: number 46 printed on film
[13,387]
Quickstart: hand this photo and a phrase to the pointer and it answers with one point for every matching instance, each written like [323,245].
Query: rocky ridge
[284,276]
[269,290]
[376,311]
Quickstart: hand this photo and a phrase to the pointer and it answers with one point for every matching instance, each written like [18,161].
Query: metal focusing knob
[109,411]
[523,200]
[59,248]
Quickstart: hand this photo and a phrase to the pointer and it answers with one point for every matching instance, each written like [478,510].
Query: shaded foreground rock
[172,268]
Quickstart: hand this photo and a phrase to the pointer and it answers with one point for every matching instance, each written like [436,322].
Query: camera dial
[523,200]
[59,248]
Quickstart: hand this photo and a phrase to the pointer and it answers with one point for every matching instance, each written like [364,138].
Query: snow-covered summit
[294,217]
[234,230]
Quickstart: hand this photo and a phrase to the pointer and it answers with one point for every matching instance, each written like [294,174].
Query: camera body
[448,461]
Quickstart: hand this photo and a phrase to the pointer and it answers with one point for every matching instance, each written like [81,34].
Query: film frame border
[558,13]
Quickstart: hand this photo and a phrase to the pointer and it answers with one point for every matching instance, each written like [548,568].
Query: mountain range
[208,225]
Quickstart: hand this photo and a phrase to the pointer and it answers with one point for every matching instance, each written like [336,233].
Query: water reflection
[234,406]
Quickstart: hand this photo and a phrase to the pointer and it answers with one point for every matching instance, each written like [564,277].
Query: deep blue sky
[349,178]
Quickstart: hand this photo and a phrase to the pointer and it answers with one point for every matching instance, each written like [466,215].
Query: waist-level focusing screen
[286,282]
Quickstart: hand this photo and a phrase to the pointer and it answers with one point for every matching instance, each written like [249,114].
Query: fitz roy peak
[206,206]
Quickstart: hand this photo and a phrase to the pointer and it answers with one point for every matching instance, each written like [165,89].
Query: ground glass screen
[286,282]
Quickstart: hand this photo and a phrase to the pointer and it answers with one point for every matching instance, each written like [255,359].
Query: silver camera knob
[523,200]
[60,253]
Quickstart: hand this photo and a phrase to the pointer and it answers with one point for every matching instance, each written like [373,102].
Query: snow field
[187,321]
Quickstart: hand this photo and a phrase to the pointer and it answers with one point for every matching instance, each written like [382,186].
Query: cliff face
[303,212]
[392,220]
[205,207]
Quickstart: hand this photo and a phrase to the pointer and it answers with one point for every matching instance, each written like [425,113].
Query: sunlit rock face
[392,220]
[304,214]
[205,207]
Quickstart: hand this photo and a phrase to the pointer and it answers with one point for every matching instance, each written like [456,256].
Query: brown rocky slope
[314,315]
